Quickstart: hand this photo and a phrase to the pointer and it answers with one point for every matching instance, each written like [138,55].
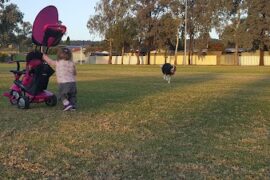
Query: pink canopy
[47,19]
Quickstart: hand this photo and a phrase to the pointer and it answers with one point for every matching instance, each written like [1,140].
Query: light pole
[185,53]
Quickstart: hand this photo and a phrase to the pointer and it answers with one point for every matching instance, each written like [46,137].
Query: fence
[245,59]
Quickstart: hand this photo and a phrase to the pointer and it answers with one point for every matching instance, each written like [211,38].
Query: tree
[246,24]
[146,14]
[68,41]
[258,20]
[232,26]
[200,21]
[2,4]
[108,14]
[10,18]
[124,33]
[23,35]
[102,22]
[153,24]
[168,26]
[177,12]
[167,29]
[156,24]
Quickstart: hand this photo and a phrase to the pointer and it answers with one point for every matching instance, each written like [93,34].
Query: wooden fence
[245,59]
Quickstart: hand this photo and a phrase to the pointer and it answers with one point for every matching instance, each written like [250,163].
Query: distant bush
[19,57]
[3,57]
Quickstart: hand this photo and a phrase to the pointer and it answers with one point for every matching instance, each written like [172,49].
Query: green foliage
[166,30]
[258,21]
[9,20]
[12,28]
[67,41]
[98,46]
[129,24]
[124,33]
[19,57]
[3,57]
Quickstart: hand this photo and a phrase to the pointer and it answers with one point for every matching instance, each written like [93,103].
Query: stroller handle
[18,64]
[17,73]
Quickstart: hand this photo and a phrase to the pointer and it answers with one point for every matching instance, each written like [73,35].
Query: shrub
[3,57]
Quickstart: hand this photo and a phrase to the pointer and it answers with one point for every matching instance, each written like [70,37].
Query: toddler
[66,77]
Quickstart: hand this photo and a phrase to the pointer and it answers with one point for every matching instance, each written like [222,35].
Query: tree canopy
[155,24]
[12,27]
[160,24]
[258,25]
[151,24]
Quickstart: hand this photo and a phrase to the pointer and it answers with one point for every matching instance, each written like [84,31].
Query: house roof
[75,48]
[232,50]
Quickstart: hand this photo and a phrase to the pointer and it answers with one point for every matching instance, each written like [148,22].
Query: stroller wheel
[14,97]
[51,101]
[23,102]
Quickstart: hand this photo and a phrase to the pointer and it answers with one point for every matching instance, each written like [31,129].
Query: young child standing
[66,77]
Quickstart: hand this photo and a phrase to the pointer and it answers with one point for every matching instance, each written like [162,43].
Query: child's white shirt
[65,71]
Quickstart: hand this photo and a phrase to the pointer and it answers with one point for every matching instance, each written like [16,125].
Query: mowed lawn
[209,123]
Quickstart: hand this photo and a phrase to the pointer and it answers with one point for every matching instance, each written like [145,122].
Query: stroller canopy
[46,28]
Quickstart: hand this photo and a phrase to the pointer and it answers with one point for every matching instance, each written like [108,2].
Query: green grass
[209,123]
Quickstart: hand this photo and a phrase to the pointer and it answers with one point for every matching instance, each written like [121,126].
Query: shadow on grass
[31,133]
[198,137]
[223,136]
[95,95]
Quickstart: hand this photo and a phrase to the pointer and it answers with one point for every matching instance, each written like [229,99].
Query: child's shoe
[67,107]
[73,108]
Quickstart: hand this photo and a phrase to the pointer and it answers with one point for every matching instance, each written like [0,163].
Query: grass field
[209,123]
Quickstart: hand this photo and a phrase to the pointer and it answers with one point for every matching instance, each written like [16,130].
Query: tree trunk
[261,57]
[189,56]
[236,60]
[123,52]
[110,52]
[138,56]
[190,53]
[236,53]
[176,48]
[218,59]
[166,56]
[148,57]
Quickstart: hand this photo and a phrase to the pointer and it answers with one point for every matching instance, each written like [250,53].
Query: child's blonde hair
[64,53]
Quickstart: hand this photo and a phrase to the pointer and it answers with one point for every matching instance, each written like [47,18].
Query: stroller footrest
[6,94]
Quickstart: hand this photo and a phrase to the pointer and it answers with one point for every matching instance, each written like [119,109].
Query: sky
[73,14]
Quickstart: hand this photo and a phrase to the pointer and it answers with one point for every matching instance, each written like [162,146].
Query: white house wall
[78,57]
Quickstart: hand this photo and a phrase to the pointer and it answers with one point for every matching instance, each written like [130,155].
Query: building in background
[78,54]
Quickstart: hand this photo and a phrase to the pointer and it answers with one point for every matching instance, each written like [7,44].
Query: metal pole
[185,54]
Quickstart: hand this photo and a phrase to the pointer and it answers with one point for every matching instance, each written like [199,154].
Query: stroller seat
[53,34]
[40,79]
[37,74]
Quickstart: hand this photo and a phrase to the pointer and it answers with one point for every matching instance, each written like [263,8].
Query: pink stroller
[31,83]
